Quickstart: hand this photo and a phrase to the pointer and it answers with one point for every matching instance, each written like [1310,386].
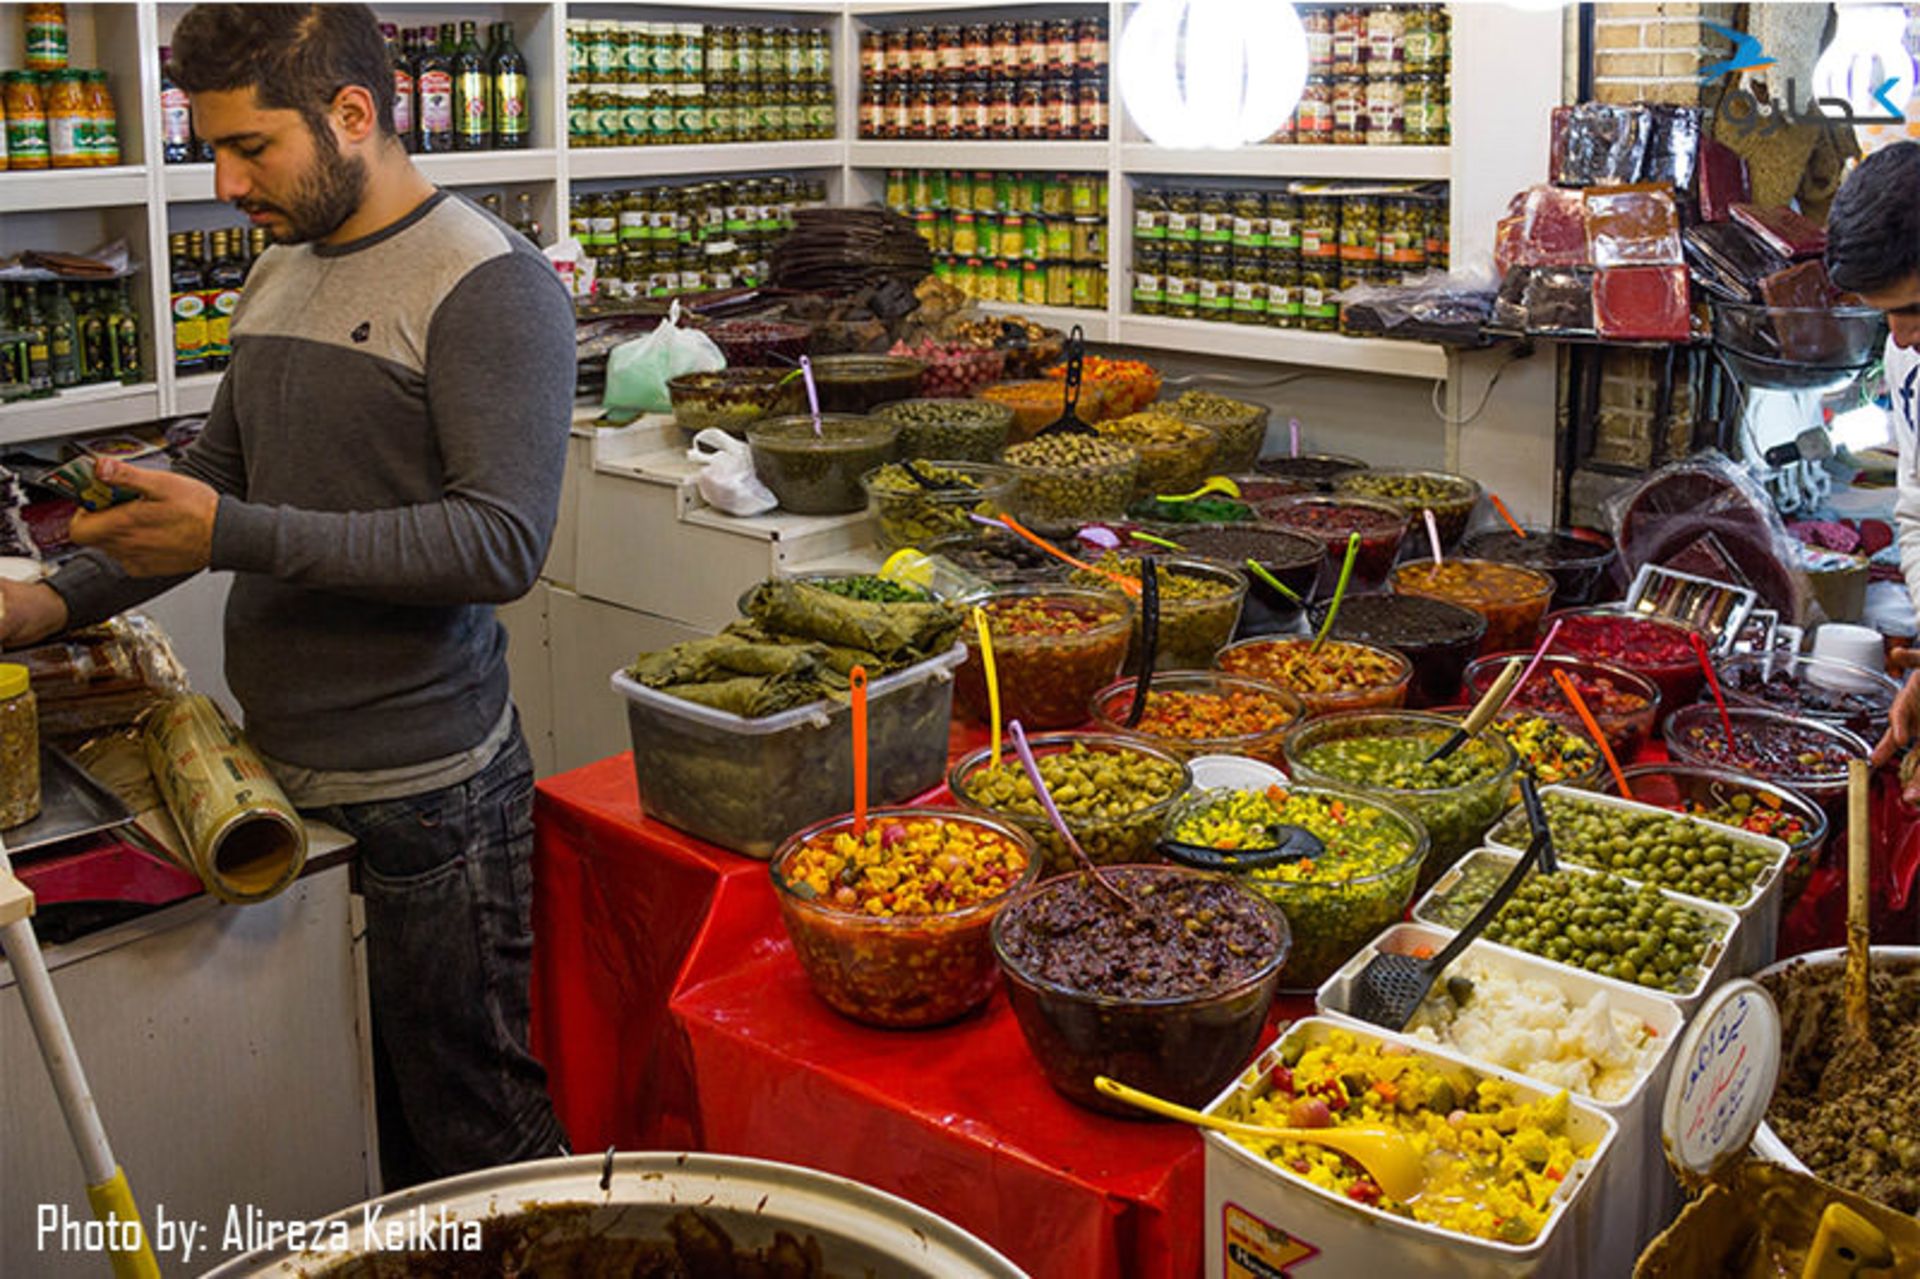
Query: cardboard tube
[243,837]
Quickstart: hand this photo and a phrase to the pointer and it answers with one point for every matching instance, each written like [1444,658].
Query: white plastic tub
[1714,965]
[746,784]
[1258,1209]
[1758,939]
[1637,1196]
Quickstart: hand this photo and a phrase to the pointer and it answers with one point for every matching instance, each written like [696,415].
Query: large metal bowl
[1796,348]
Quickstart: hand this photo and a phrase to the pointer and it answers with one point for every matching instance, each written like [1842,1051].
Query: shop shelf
[1062,156]
[38,190]
[720,157]
[1405,164]
[1095,320]
[189,183]
[193,393]
[1383,356]
[79,411]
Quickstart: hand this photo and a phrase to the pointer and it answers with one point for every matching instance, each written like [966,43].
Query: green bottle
[472,94]
[125,324]
[96,339]
[39,346]
[512,106]
[63,339]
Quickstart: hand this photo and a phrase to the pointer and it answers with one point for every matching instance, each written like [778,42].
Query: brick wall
[1653,52]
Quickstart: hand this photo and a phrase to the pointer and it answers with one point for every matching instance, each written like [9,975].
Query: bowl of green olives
[915,504]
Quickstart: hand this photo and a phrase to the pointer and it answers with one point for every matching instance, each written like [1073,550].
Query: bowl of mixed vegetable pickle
[1437,637]
[1624,704]
[1338,675]
[1200,603]
[916,503]
[1801,754]
[1054,646]
[1657,649]
[1828,689]
[1511,599]
[1194,713]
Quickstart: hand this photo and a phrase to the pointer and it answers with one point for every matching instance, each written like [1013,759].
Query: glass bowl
[998,556]
[1034,403]
[1345,676]
[1577,562]
[1797,348]
[1336,902]
[759,343]
[950,430]
[1828,689]
[1624,704]
[1295,561]
[1192,629]
[1451,498]
[905,514]
[1117,822]
[1381,526]
[1186,715]
[1045,677]
[1239,428]
[819,475]
[1653,647]
[1456,816]
[1175,456]
[733,398]
[857,383]
[1184,1047]
[1437,637]
[1542,744]
[1071,483]
[896,970]
[1256,488]
[1800,754]
[1317,470]
[1512,599]
[954,369]
[1737,800]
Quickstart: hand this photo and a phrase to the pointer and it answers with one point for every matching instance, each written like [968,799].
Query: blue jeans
[447,878]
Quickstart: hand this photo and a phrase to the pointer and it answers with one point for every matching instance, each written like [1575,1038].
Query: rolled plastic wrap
[243,837]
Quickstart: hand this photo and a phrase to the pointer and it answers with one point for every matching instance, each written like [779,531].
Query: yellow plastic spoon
[1215,484]
[1388,1157]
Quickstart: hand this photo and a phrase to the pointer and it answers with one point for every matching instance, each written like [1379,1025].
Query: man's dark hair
[293,56]
[1873,232]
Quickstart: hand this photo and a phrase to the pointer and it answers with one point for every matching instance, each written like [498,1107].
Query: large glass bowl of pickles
[819,474]
[1624,704]
[950,430]
[1054,646]
[1385,754]
[1804,755]
[916,503]
[1239,427]
[1359,884]
[1438,638]
[1341,675]
[1512,599]
[1451,498]
[1114,794]
[1174,455]
[1577,562]
[1199,607]
[1194,713]
[1653,647]
[1071,479]
[1381,526]
[1294,561]
[998,555]
[733,399]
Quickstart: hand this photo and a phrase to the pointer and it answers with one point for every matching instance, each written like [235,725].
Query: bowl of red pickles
[1660,650]
[1624,704]
[1737,800]
[1194,713]
[1340,675]
[1512,599]
[1804,755]
[893,925]
[1054,647]
[1381,526]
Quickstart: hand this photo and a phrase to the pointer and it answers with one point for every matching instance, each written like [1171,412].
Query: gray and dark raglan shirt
[388,444]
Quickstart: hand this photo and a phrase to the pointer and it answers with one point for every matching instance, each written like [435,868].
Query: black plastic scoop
[1069,423]
[1293,843]
[927,481]
[1390,988]
[1149,637]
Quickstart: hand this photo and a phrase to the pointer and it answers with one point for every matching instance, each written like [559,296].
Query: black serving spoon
[1294,843]
[927,481]
[1069,423]
[1149,636]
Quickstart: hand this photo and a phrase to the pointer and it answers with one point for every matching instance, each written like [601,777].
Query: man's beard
[327,195]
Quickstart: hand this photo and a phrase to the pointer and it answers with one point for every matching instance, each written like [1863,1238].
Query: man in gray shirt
[381,466]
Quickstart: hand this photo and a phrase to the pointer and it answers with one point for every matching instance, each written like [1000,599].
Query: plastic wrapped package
[1633,226]
[102,677]
[1559,300]
[1642,304]
[1510,304]
[1730,260]
[1509,237]
[1435,307]
[1553,228]
[1599,145]
[1673,146]
[1723,181]
[1786,232]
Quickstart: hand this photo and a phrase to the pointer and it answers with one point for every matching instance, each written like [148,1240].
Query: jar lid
[13,680]
[1724,1070]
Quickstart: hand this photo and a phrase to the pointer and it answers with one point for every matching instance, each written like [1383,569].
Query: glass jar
[1317,22]
[1386,111]
[1426,111]
[1283,292]
[579,115]
[716,65]
[1360,229]
[1418,54]
[1319,281]
[1349,40]
[1249,301]
[1183,216]
[1089,240]
[1003,114]
[950,53]
[1149,291]
[899,56]
[981,193]
[1249,220]
[966,234]
[1349,111]
[1033,284]
[1032,110]
[1090,47]
[1214,288]
[1062,47]
[19,748]
[1386,50]
[920,109]
[1059,284]
[1150,214]
[977,41]
[1182,283]
[1403,233]
[1006,50]
[1313,117]
[1033,50]
[1010,242]
[1058,239]
[1431,55]
[1150,256]
[820,111]
[899,112]
[1083,199]
[1058,110]
[1216,218]
[1056,196]
[1438,234]
[1283,226]
[1319,228]
[873,117]
[1090,110]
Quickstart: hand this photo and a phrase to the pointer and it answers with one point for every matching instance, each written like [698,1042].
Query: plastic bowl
[733,398]
[1455,816]
[1184,1048]
[1035,403]
[1046,679]
[1823,688]
[1192,631]
[1706,792]
[1318,471]
[760,343]
[857,383]
[1768,743]
[1649,646]
[819,475]
[1512,599]
[1451,498]
[1626,708]
[1295,561]
[1110,707]
[1437,637]
[1332,911]
[1381,526]
[1126,835]
[905,514]
[896,970]
[1322,686]
[1577,562]
[955,430]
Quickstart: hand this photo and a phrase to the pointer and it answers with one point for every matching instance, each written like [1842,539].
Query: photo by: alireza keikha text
[246,1228]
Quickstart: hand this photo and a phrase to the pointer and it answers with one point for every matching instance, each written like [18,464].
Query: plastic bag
[727,482]
[638,371]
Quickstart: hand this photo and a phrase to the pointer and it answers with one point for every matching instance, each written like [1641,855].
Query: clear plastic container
[819,474]
[1451,498]
[905,514]
[746,784]
[1184,691]
[1345,676]
[19,748]
[1239,428]
[1046,679]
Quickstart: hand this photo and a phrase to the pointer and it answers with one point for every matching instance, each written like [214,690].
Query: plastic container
[1437,637]
[1653,647]
[733,398]
[1578,563]
[1257,1208]
[1753,946]
[1511,598]
[1110,707]
[1381,526]
[858,383]
[1714,967]
[1034,402]
[954,430]
[1318,470]
[904,514]
[1451,498]
[1332,682]
[819,475]
[1626,714]
[1455,816]
[1694,735]
[1828,689]
[1192,631]
[746,784]
[1688,787]
[1295,561]
[1637,1196]
[896,970]
[1181,1048]
[1047,679]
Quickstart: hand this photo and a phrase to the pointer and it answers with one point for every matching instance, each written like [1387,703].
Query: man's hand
[169,530]
[29,613]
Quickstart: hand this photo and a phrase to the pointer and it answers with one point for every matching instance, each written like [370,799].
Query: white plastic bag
[726,478]
[637,371]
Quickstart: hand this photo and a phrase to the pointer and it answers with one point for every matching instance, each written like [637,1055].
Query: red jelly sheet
[1723,181]
[1789,233]
[1553,228]
[1633,226]
[1642,304]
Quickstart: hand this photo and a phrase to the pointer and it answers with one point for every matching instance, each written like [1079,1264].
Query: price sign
[1723,1077]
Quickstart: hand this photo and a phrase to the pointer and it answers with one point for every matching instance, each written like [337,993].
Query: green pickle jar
[1182,284]
[1283,291]
[1319,281]
[1215,218]
[1150,215]
[1214,292]
[1183,217]
[1249,303]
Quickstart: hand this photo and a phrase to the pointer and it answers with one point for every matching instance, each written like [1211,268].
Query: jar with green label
[1283,225]
[1084,195]
[981,189]
[1059,238]
[1089,285]
[1426,111]
[1033,284]
[604,52]
[1149,288]
[579,115]
[966,233]
[1011,237]
[603,223]
[1214,290]
[1215,218]
[797,111]
[1425,41]
[1056,196]
[635,57]
[1033,237]
[1319,281]
[609,115]
[579,60]
[820,111]
[1283,291]
[1403,233]
[771,121]
[1089,240]
[1183,216]
[1059,284]
[635,125]
[717,65]
[1149,214]
[662,119]
[1248,304]
[633,218]
[1182,283]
